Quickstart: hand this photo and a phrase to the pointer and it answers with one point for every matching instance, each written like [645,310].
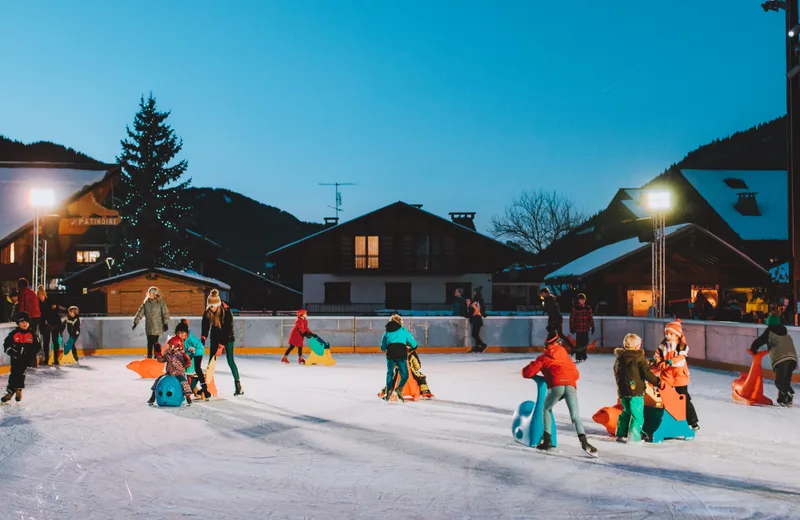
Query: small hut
[184,292]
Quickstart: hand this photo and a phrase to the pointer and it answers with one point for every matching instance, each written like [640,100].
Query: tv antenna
[338,205]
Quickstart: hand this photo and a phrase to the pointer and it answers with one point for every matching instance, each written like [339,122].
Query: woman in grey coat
[156,319]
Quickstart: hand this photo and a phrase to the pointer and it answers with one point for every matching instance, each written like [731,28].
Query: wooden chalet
[399,257]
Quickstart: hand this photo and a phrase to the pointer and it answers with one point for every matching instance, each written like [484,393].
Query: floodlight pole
[658,260]
[39,275]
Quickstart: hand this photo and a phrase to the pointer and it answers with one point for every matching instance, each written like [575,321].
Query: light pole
[658,202]
[40,200]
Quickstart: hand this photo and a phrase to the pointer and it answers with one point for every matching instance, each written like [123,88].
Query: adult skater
[581,323]
[476,311]
[156,319]
[218,328]
[555,320]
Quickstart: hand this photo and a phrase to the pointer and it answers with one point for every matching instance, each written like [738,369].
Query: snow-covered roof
[770,187]
[174,272]
[611,253]
[273,282]
[16,181]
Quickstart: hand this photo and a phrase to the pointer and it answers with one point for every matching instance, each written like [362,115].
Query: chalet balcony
[377,309]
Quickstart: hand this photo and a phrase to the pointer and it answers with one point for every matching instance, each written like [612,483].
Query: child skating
[631,370]
[177,361]
[416,372]
[20,345]
[73,325]
[670,359]
[561,375]
[299,332]
[395,343]
[783,356]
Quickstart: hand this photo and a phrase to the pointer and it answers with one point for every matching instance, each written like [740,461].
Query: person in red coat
[561,376]
[299,331]
[29,304]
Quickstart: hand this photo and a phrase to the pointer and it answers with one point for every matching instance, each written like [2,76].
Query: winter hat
[213,299]
[581,296]
[397,319]
[182,327]
[152,289]
[674,327]
[631,341]
[545,290]
[23,316]
[552,339]
[301,313]
[73,307]
[773,320]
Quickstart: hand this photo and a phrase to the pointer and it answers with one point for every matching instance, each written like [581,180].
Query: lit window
[87,257]
[7,255]
[367,252]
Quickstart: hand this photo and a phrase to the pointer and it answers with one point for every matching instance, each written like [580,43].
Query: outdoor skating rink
[316,443]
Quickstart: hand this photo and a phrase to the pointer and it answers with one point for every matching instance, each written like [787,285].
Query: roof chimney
[331,221]
[747,205]
[464,218]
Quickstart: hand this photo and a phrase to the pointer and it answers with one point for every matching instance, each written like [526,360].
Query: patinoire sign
[86,211]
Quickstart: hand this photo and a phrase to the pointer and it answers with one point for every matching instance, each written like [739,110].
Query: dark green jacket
[631,370]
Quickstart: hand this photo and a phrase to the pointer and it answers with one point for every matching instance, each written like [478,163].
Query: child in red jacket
[177,361]
[561,375]
[299,332]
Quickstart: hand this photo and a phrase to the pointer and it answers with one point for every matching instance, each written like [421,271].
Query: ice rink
[316,443]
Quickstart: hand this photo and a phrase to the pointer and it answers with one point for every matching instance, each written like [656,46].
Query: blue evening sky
[456,105]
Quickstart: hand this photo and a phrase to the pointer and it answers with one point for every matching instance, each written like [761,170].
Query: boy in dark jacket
[581,322]
[555,320]
[73,325]
[395,342]
[21,345]
[631,370]
[783,357]
[562,376]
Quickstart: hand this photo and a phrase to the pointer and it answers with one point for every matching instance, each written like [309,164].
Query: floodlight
[794,31]
[658,200]
[42,198]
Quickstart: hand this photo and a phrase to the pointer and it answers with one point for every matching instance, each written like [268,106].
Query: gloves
[166,327]
[203,340]
[591,331]
[14,352]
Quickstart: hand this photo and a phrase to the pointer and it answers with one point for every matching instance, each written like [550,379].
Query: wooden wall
[183,298]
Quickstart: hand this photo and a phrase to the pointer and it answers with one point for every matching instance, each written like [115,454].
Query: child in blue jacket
[395,343]
[195,350]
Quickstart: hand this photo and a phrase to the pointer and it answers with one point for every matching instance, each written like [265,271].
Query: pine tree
[153,216]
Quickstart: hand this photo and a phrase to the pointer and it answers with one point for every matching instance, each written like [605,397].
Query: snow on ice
[316,443]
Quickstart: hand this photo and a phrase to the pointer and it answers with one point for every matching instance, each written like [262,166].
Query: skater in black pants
[581,323]
[21,344]
[475,311]
[555,320]
[49,326]
[783,356]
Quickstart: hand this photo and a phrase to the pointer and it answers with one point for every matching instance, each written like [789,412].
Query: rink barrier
[715,345]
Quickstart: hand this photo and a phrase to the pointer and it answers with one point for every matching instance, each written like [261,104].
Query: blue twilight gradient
[453,104]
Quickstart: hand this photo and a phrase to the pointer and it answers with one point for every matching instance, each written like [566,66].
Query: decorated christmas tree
[152,232]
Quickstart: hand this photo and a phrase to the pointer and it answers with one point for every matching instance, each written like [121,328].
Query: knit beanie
[773,320]
[674,327]
[152,289]
[552,339]
[397,319]
[182,327]
[73,308]
[213,299]
[23,316]
[302,312]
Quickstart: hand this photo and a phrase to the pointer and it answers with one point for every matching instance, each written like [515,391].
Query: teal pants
[554,395]
[631,419]
[212,351]
[402,368]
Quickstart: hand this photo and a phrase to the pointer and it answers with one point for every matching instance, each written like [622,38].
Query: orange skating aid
[749,388]
[410,391]
[147,368]
[592,347]
[608,417]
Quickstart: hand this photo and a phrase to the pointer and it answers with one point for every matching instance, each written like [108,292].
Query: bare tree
[537,218]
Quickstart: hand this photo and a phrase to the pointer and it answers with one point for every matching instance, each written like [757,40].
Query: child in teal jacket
[395,343]
[195,350]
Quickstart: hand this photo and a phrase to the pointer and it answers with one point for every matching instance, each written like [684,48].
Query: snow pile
[315,442]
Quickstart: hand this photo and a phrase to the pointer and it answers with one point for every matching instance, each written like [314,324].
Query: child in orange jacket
[561,375]
[299,331]
[670,359]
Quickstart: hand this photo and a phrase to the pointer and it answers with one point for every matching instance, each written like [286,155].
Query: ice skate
[239,390]
[18,397]
[6,398]
[285,360]
[399,394]
[426,394]
[546,444]
[152,399]
[301,360]
[188,399]
[585,446]
[622,440]
[695,427]
[788,402]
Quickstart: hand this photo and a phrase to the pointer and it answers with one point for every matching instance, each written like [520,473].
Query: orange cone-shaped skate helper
[608,417]
[147,368]
[749,388]
[410,391]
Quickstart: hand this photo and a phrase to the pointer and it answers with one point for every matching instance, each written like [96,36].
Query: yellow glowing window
[367,252]
[87,257]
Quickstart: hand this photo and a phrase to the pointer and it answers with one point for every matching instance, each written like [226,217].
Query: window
[367,252]
[422,250]
[7,255]
[337,293]
[87,257]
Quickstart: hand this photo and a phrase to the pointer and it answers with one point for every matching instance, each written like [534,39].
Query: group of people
[39,325]
[183,353]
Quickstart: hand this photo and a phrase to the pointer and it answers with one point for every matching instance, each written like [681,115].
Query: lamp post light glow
[658,200]
[40,199]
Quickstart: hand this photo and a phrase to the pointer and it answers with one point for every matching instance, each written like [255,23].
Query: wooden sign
[85,213]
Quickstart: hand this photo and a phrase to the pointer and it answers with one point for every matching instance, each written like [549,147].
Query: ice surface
[316,443]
